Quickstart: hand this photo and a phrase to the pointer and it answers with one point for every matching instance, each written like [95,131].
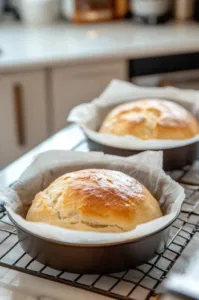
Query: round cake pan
[173,158]
[92,259]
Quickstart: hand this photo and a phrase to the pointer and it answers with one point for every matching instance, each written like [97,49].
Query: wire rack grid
[143,282]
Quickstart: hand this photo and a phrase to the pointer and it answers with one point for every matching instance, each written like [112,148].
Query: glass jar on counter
[85,11]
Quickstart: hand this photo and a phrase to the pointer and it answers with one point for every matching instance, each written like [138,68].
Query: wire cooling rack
[143,282]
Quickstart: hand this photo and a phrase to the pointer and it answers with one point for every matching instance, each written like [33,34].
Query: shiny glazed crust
[95,200]
[151,119]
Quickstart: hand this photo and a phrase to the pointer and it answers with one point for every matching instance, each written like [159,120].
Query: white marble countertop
[63,43]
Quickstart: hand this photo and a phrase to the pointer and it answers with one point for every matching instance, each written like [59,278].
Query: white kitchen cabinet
[23,117]
[80,84]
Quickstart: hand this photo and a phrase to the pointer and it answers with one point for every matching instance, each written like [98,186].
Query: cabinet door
[23,122]
[80,84]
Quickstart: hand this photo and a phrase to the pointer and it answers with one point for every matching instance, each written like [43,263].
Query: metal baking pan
[173,158]
[92,259]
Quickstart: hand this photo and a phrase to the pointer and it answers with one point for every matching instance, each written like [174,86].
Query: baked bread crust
[151,119]
[95,200]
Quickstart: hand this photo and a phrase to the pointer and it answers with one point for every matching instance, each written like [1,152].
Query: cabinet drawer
[22,113]
[79,84]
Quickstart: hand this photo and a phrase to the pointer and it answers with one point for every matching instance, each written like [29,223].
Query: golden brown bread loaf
[151,119]
[95,200]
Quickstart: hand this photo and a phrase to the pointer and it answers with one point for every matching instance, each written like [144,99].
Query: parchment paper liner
[145,167]
[90,116]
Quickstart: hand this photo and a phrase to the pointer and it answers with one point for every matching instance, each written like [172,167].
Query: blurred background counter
[52,62]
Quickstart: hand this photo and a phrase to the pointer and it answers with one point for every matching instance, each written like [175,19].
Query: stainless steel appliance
[188,79]
[176,70]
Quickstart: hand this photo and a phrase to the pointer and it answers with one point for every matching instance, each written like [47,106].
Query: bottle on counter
[121,8]
[183,9]
[151,11]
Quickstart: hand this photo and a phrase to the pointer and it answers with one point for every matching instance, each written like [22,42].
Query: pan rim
[138,150]
[79,245]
